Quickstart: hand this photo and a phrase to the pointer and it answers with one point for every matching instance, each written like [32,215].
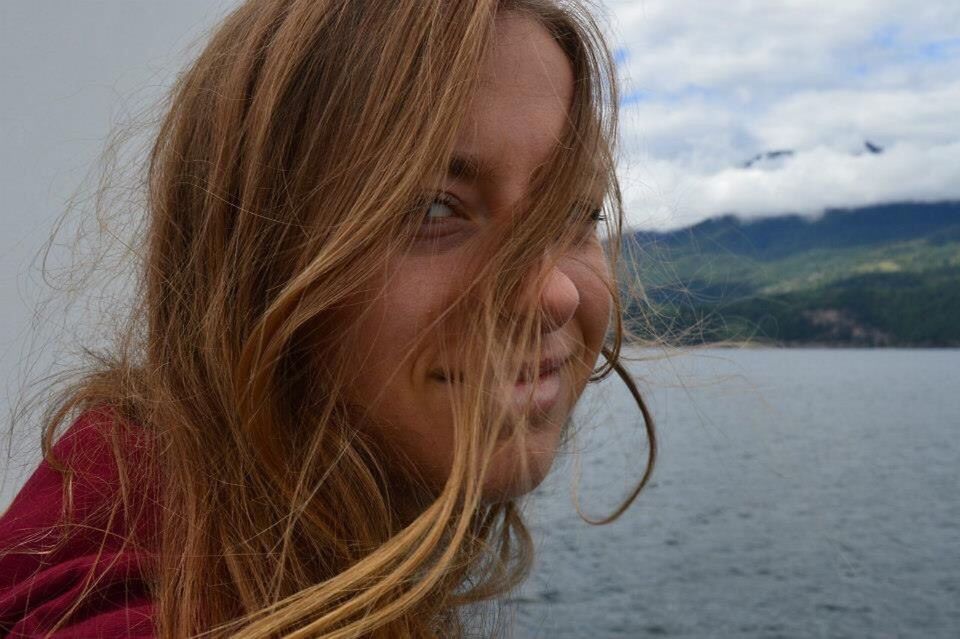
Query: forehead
[521,107]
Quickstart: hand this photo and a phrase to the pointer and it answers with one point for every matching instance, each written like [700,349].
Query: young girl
[372,290]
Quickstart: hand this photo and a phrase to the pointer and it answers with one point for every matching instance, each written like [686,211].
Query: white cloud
[927,116]
[790,43]
[695,132]
[662,194]
[711,84]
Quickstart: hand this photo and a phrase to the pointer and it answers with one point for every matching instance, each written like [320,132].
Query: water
[798,493]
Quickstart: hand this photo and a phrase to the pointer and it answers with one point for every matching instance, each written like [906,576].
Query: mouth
[547,367]
[542,395]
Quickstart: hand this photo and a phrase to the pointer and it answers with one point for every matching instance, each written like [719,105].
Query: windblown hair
[289,167]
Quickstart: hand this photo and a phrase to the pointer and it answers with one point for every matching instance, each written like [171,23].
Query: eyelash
[596,215]
[441,199]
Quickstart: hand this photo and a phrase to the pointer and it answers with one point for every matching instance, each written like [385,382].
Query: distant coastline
[761,345]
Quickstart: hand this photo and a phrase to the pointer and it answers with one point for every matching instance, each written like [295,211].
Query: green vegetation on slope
[888,284]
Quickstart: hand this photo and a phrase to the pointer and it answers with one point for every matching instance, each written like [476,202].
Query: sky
[707,85]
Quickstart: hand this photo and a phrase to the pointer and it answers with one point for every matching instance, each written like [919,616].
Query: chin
[518,467]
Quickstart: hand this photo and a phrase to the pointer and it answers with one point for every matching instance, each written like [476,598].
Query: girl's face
[518,114]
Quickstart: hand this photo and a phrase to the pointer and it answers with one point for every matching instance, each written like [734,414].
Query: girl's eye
[438,217]
[438,209]
[593,214]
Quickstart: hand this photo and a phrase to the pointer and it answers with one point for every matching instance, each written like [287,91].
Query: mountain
[776,159]
[769,158]
[884,275]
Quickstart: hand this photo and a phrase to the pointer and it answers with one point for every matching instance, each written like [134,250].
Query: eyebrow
[468,167]
[465,167]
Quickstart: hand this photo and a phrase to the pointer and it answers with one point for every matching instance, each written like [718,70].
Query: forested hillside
[877,276]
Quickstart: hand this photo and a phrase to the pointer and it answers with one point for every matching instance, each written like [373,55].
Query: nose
[559,300]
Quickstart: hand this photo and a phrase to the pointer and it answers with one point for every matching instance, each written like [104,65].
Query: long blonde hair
[282,177]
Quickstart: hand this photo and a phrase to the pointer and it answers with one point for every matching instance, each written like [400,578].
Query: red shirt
[41,579]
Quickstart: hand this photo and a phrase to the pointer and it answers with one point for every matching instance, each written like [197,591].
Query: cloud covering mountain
[709,85]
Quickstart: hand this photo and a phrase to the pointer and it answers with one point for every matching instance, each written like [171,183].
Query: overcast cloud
[708,85]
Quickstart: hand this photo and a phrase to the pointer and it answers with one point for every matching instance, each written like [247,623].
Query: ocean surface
[797,493]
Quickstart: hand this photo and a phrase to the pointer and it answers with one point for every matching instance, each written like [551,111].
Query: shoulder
[83,542]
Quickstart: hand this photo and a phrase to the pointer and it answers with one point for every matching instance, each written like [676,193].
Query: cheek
[591,275]
[391,361]
[402,308]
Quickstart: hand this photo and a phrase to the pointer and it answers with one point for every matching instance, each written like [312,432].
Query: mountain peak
[776,158]
[769,159]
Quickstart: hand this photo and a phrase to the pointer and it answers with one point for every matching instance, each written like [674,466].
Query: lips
[528,371]
[547,366]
